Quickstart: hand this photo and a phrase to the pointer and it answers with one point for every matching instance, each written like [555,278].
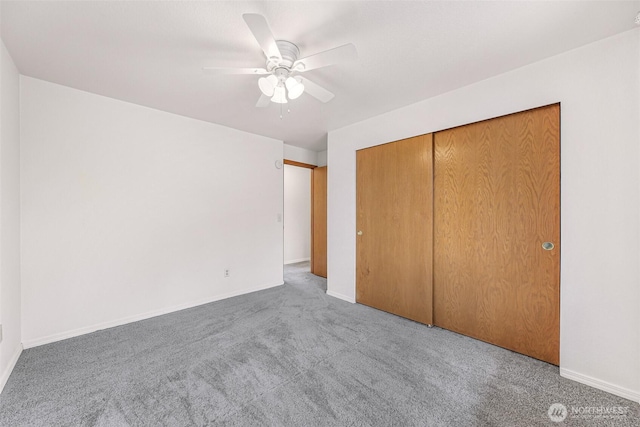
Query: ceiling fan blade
[317,91]
[260,29]
[264,101]
[225,70]
[336,55]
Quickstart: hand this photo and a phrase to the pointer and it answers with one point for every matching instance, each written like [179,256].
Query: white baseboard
[12,364]
[601,385]
[342,297]
[293,261]
[122,321]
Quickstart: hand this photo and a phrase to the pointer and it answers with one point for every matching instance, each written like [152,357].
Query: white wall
[598,86]
[297,214]
[10,346]
[322,158]
[129,212]
[301,155]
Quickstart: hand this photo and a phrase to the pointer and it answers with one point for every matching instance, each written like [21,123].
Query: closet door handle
[548,246]
[359,232]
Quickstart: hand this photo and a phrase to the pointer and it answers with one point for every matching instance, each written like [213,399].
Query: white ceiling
[152,53]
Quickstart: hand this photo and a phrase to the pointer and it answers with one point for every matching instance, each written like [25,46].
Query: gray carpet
[288,356]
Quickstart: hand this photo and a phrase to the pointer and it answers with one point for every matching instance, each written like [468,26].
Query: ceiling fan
[283,65]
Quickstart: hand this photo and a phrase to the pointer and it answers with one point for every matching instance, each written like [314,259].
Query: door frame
[311,167]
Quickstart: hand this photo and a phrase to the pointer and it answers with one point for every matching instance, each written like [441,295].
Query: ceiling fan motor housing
[289,53]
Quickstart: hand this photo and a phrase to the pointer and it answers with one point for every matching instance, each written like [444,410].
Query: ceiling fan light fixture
[294,87]
[282,60]
[268,84]
[279,95]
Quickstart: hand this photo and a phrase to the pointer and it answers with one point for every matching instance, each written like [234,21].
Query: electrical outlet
[226,272]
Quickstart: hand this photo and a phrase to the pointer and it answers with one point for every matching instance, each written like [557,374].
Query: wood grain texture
[496,200]
[394,198]
[319,222]
[299,164]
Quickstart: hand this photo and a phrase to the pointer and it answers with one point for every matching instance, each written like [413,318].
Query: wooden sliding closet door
[496,202]
[394,227]
[319,221]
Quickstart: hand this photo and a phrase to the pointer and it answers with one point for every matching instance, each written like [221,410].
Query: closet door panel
[394,227]
[496,202]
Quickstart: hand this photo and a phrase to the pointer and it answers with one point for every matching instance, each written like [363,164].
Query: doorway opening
[305,216]
[297,216]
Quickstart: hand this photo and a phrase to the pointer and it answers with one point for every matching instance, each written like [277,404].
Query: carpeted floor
[289,356]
